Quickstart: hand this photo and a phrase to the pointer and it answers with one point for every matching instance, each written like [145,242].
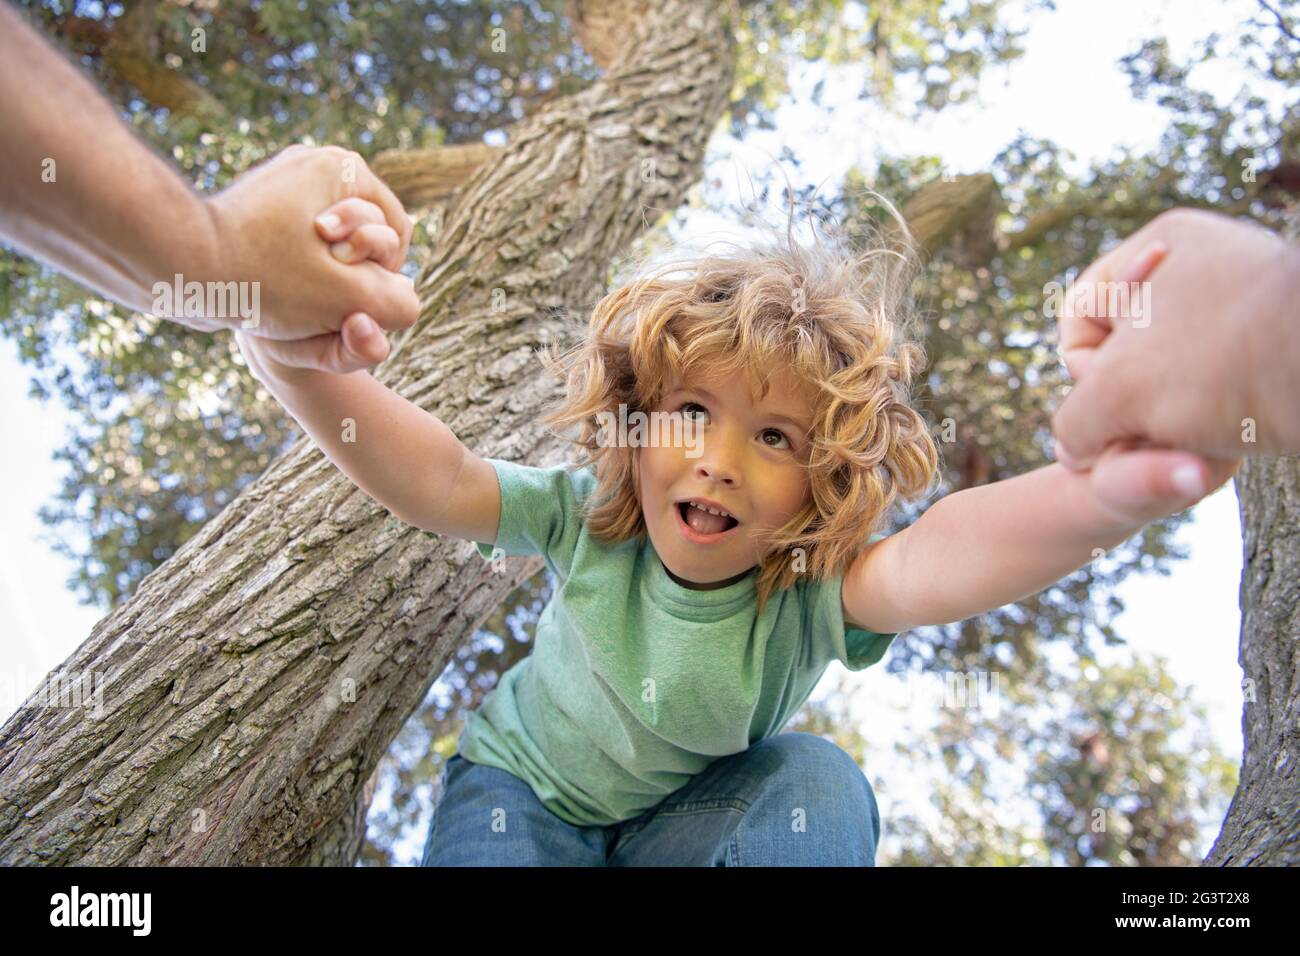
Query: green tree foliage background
[170,427]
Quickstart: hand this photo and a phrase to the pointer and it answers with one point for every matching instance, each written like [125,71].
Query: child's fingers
[1095,416]
[358,345]
[372,186]
[370,241]
[341,219]
[1082,326]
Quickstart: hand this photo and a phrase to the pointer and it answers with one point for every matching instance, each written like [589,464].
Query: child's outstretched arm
[984,547]
[399,454]
[395,451]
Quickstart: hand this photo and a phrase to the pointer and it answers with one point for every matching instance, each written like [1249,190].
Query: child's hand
[1136,483]
[357,232]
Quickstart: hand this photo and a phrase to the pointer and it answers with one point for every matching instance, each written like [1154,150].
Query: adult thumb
[359,344]
[1144,484]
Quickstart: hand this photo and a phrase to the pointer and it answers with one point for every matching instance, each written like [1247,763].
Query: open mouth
[703,525]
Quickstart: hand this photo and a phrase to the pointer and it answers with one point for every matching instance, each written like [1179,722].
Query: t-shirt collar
[710,604]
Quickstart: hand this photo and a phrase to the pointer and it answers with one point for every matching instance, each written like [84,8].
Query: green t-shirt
[635,683]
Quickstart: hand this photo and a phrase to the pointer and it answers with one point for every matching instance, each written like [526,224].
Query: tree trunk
[254,681]
[1263,822]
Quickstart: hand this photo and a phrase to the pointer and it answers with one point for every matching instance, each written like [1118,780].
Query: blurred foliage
[919,55]
[1103,766]
[170,427]
[1106,766]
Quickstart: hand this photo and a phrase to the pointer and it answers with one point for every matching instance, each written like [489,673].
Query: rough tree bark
[1263,823]
[254,681]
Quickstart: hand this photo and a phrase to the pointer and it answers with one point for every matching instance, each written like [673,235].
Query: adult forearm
[984,547]
[77,188]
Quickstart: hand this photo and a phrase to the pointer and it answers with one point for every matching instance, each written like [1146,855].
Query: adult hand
[79,191]
[263,231]
[357,233]
[1212,364]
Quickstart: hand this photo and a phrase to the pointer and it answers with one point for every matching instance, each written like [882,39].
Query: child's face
[752,462]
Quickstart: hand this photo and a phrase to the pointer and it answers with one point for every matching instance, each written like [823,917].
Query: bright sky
[1067,88]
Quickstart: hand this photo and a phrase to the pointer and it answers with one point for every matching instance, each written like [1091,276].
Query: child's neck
[712,585]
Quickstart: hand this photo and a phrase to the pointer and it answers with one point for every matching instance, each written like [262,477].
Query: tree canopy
[170,426]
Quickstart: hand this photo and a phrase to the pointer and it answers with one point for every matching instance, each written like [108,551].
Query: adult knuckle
[322,159]
[350,157]
[331,157]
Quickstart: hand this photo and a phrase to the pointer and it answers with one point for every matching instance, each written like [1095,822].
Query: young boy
[704,590]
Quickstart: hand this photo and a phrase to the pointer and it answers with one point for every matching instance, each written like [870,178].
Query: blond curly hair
[838,320]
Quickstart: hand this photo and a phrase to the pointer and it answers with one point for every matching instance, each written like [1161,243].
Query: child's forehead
[781,383]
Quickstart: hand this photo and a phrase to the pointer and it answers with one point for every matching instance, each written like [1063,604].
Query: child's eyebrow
[775,416]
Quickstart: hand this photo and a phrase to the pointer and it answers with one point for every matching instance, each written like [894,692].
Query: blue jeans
[794,799]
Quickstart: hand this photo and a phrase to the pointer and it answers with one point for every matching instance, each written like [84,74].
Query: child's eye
[686,405]
[781,436]
[778,434]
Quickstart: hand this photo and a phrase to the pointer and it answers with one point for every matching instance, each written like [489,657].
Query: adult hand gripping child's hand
[84,195]
[357,232]
[1132,479]
[1211,362]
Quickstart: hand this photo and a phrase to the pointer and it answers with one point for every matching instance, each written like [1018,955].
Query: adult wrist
[280,379]
[190,253]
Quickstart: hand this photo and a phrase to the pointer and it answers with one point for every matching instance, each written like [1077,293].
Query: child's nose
[718,464]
